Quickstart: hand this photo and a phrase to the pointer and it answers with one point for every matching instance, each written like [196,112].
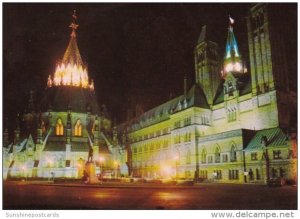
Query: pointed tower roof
[232,59]
[71,71]
[70,86]
[203,34]
[232,51]
[207,34]
[72,54]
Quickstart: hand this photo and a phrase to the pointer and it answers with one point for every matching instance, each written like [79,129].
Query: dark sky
[136,53]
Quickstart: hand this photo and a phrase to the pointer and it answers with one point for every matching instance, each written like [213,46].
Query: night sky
[136,53]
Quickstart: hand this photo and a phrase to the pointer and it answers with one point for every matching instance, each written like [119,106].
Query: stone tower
[207,65]
[268,58]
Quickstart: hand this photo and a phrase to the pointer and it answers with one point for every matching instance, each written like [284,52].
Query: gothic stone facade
[227,129]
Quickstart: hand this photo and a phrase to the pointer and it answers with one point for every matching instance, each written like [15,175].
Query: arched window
[78,128]
[251,175]
[233,153]
[203,156]
[217,155]
[59,128]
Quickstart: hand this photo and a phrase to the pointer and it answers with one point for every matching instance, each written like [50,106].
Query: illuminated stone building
[67,125]
[231,125]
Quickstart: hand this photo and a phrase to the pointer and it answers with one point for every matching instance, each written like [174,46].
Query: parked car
[278,181]
[185,182]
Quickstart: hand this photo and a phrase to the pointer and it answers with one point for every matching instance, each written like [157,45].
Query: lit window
[59,129]
[233,153]
[78,128]
[217,155]
[203,156]
[233,174]
[224,158]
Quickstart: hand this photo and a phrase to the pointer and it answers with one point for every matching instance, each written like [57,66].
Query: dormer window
[264,141]
[59,128]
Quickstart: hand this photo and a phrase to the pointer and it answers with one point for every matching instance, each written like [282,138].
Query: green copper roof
[76,146]
[80,146]
[55,146]
[275,137]
[194,98]
[232,51]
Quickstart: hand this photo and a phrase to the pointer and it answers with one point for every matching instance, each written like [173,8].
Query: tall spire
[71,71]
[232,59]
[72,54]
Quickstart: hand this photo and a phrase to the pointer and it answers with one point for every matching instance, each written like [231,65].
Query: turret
[232,59]
[207,64]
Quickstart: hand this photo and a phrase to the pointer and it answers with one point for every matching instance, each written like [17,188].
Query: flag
[231,20]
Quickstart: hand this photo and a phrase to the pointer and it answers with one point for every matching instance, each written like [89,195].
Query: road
[206,196]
